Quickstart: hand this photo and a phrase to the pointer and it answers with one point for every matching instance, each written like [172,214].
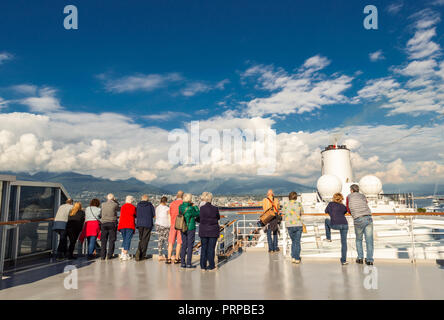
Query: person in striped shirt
[362,218]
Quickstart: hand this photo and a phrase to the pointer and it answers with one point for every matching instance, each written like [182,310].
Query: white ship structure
[400,232]
[337,176]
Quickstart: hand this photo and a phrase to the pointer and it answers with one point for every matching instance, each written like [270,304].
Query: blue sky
[162,64]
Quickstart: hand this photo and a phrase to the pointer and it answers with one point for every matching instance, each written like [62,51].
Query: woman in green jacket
[190,213]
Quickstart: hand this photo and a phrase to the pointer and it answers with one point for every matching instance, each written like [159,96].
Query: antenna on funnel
[336,137]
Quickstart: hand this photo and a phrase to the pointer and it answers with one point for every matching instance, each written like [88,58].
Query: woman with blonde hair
[74,227]
[337,221]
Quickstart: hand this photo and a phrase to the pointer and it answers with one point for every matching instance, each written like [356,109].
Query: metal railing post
[284,239]
[412,240]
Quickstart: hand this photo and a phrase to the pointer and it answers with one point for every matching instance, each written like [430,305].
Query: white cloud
[396,172]
[194,88]
[421,45]
[165,116]
[301,92]
[114,146]
[423,90]
[418,68]
[44,102]
[25,89]
[139,82]
[5,56]
[395,7]
[376,56]
[315,63]
[3,103]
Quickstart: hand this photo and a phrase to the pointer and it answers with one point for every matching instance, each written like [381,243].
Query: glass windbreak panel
[1,197]
[11,217]
[35,203]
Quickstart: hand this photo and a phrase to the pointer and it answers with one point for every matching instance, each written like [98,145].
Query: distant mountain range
[76,183]
[239,186]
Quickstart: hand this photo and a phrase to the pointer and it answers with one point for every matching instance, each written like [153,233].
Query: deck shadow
[234,256]
[39,271]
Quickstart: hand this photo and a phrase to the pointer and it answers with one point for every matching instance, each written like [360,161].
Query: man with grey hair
[108,221]
[362,218]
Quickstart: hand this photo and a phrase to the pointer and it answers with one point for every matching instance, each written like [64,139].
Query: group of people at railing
[292,213]
[174,224]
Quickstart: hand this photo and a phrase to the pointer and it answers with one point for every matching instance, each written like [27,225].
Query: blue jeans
[295,235]
[187,247]
[272,242]
[127,235]
[207,253]
[91,244]
[343,229]
[364,226]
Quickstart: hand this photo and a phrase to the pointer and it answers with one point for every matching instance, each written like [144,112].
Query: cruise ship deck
[248,275]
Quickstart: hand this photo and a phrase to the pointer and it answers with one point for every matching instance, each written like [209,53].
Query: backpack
[181,224]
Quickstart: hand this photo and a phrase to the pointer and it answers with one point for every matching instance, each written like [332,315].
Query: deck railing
[409,235]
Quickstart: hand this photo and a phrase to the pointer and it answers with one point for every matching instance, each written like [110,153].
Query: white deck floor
[251,275]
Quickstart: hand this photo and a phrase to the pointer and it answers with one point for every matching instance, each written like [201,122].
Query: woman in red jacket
[127,225]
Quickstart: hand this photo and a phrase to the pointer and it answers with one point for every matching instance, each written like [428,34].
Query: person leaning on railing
[190,213]
[74,227]
[174,235]
[293,211]
[59,226]
[91,229]
[363,222]
[109,226]
[272,203]
[127,226]
[337,221]
[209,231]
[163,227]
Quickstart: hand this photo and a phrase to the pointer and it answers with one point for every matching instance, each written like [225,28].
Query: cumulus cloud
[304,91]
[114,146]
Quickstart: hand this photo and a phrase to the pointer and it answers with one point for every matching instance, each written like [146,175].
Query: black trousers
[63,242]
[109,233]
[73,234]
[207,252]
[144,239]
[187,247]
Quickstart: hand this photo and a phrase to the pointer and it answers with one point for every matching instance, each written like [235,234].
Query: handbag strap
[272,203]
[90,209]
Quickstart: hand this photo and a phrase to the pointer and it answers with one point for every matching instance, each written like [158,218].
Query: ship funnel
[336,161]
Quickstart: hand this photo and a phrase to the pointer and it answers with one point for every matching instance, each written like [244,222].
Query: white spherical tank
[328,185]
[370,185]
